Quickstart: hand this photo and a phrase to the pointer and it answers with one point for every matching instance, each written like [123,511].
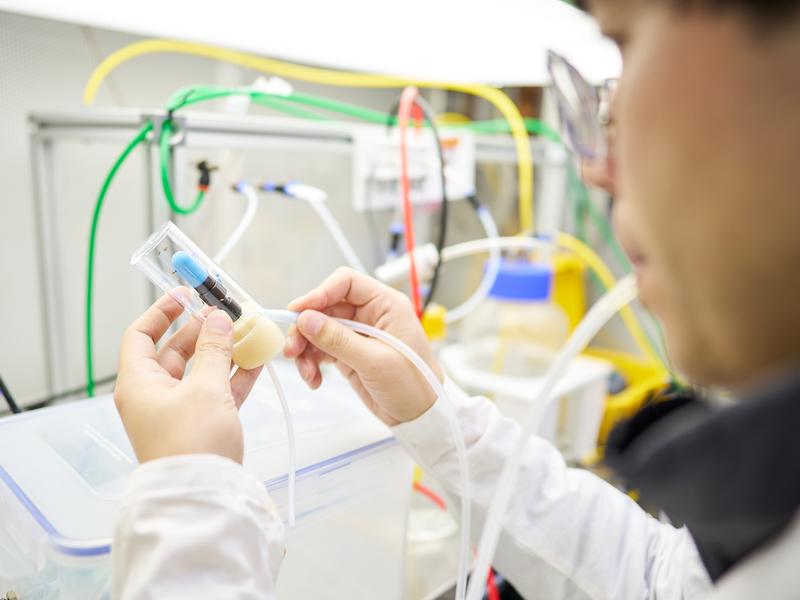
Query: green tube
[342,108]
[164,148]
[278,103]
[188,96]
[140,136]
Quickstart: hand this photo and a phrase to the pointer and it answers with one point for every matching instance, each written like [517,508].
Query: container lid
[522,281]
[67,466]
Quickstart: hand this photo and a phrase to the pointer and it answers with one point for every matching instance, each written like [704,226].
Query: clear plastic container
[174,263]
[507,345]
[525,326]
[63,471]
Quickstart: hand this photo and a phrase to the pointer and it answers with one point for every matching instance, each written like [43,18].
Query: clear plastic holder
[176,265]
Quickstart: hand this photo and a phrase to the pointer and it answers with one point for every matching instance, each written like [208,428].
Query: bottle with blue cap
[518,325]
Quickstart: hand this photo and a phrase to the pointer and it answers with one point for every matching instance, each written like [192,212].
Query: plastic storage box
[63,471]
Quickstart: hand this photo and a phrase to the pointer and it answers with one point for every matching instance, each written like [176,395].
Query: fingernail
[219,322]
[311,323]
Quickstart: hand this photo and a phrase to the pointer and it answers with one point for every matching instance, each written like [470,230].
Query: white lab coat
[201,527]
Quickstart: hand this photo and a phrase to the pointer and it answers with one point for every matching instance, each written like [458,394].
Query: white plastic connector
[274,85]
[396,270]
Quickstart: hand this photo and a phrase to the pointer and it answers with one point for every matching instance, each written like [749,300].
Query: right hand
[390,386]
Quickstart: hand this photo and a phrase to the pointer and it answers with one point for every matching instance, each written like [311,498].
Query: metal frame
[195,129]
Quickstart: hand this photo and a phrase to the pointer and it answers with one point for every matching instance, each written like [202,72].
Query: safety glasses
[584,109]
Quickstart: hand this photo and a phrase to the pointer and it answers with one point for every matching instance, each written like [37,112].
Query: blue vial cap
[189,269]
[522,281]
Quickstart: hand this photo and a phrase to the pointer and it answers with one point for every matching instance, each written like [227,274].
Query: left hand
[168,413]
[388,384]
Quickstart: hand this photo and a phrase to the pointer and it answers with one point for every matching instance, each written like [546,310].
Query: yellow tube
[338,78]
[451,118]
[596,264]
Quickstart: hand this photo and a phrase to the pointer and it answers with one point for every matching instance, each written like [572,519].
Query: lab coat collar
[731,475]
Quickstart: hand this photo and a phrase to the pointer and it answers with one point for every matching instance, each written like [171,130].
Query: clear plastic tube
[249,214]
[285,316]
[287,417]
[601,312]
[489,277]
[317,199]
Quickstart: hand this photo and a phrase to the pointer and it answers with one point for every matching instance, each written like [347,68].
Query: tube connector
[396,270]
[204,170]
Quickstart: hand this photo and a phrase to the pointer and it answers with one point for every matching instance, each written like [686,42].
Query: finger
[242,383]
[343,310]
[295,343]
[214,349]
[309,371]
[335,339]
[316,355]
[139,340]
[344,285]
[179,348]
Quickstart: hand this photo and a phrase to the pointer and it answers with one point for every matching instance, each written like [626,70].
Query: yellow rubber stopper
[256,340]
[433,322]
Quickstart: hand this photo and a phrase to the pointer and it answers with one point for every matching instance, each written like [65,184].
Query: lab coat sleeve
[194,527]
[567,534]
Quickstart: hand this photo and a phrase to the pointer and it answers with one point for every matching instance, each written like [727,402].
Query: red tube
[492,593]
[430,494]
[407,99]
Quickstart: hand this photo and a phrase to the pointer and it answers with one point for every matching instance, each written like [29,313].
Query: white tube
[492,244]
[285,316]
[502,243]
[602,311]
[317,198]
[249,214]
[287,417]
[338,235]
[489,277]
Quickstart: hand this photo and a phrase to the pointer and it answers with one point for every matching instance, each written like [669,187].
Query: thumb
[212,358]
[334,339]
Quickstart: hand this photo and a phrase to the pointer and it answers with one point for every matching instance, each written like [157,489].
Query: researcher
[705,166]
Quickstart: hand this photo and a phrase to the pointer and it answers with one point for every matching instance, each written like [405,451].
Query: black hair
[759,12]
